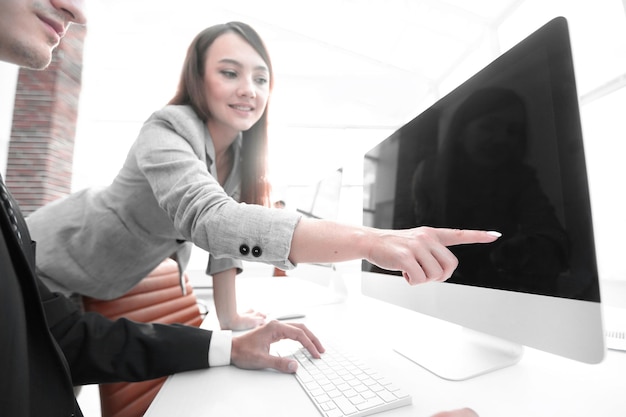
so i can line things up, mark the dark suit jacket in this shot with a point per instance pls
(47, 346)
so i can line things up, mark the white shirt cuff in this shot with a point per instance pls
(219, 350)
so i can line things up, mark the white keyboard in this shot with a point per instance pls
(341, 385)
(615, 327)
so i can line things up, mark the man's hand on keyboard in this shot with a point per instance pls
(251, 350)
(463, 412)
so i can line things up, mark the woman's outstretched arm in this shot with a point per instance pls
(421, 253)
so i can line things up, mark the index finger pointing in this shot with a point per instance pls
(451, 237)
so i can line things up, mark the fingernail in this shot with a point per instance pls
(494, 233)
(293, 366)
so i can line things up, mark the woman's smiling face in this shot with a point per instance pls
(236, 85)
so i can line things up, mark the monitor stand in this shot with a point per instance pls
(460, 353)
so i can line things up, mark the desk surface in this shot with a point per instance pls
(540, 384)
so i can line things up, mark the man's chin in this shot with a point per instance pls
(37, 62)
(34, 58)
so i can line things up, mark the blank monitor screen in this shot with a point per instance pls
(502, 152)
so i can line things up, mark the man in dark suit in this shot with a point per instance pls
(46, 345)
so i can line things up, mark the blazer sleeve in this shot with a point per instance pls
(167, 150)
(99, 350)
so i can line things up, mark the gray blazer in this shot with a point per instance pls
(101, 242)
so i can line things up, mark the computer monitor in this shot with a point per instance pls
(504, 152)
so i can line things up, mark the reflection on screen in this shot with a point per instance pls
(494, 155)
(480, 179)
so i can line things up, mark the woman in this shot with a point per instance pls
(196, 173)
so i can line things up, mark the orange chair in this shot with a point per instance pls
(157, 298)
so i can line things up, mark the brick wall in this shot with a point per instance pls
(41, 147)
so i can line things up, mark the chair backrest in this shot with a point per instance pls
(157, 298)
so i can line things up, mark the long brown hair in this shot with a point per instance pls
(255, 188)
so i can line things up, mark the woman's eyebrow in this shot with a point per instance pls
(230, 61)
(239, 64)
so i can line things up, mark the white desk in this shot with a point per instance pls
(539, 385)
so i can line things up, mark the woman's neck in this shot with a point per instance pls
(222, 141)
(222, 137)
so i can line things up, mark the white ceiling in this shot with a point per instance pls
(347, 72)
(328, 55)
